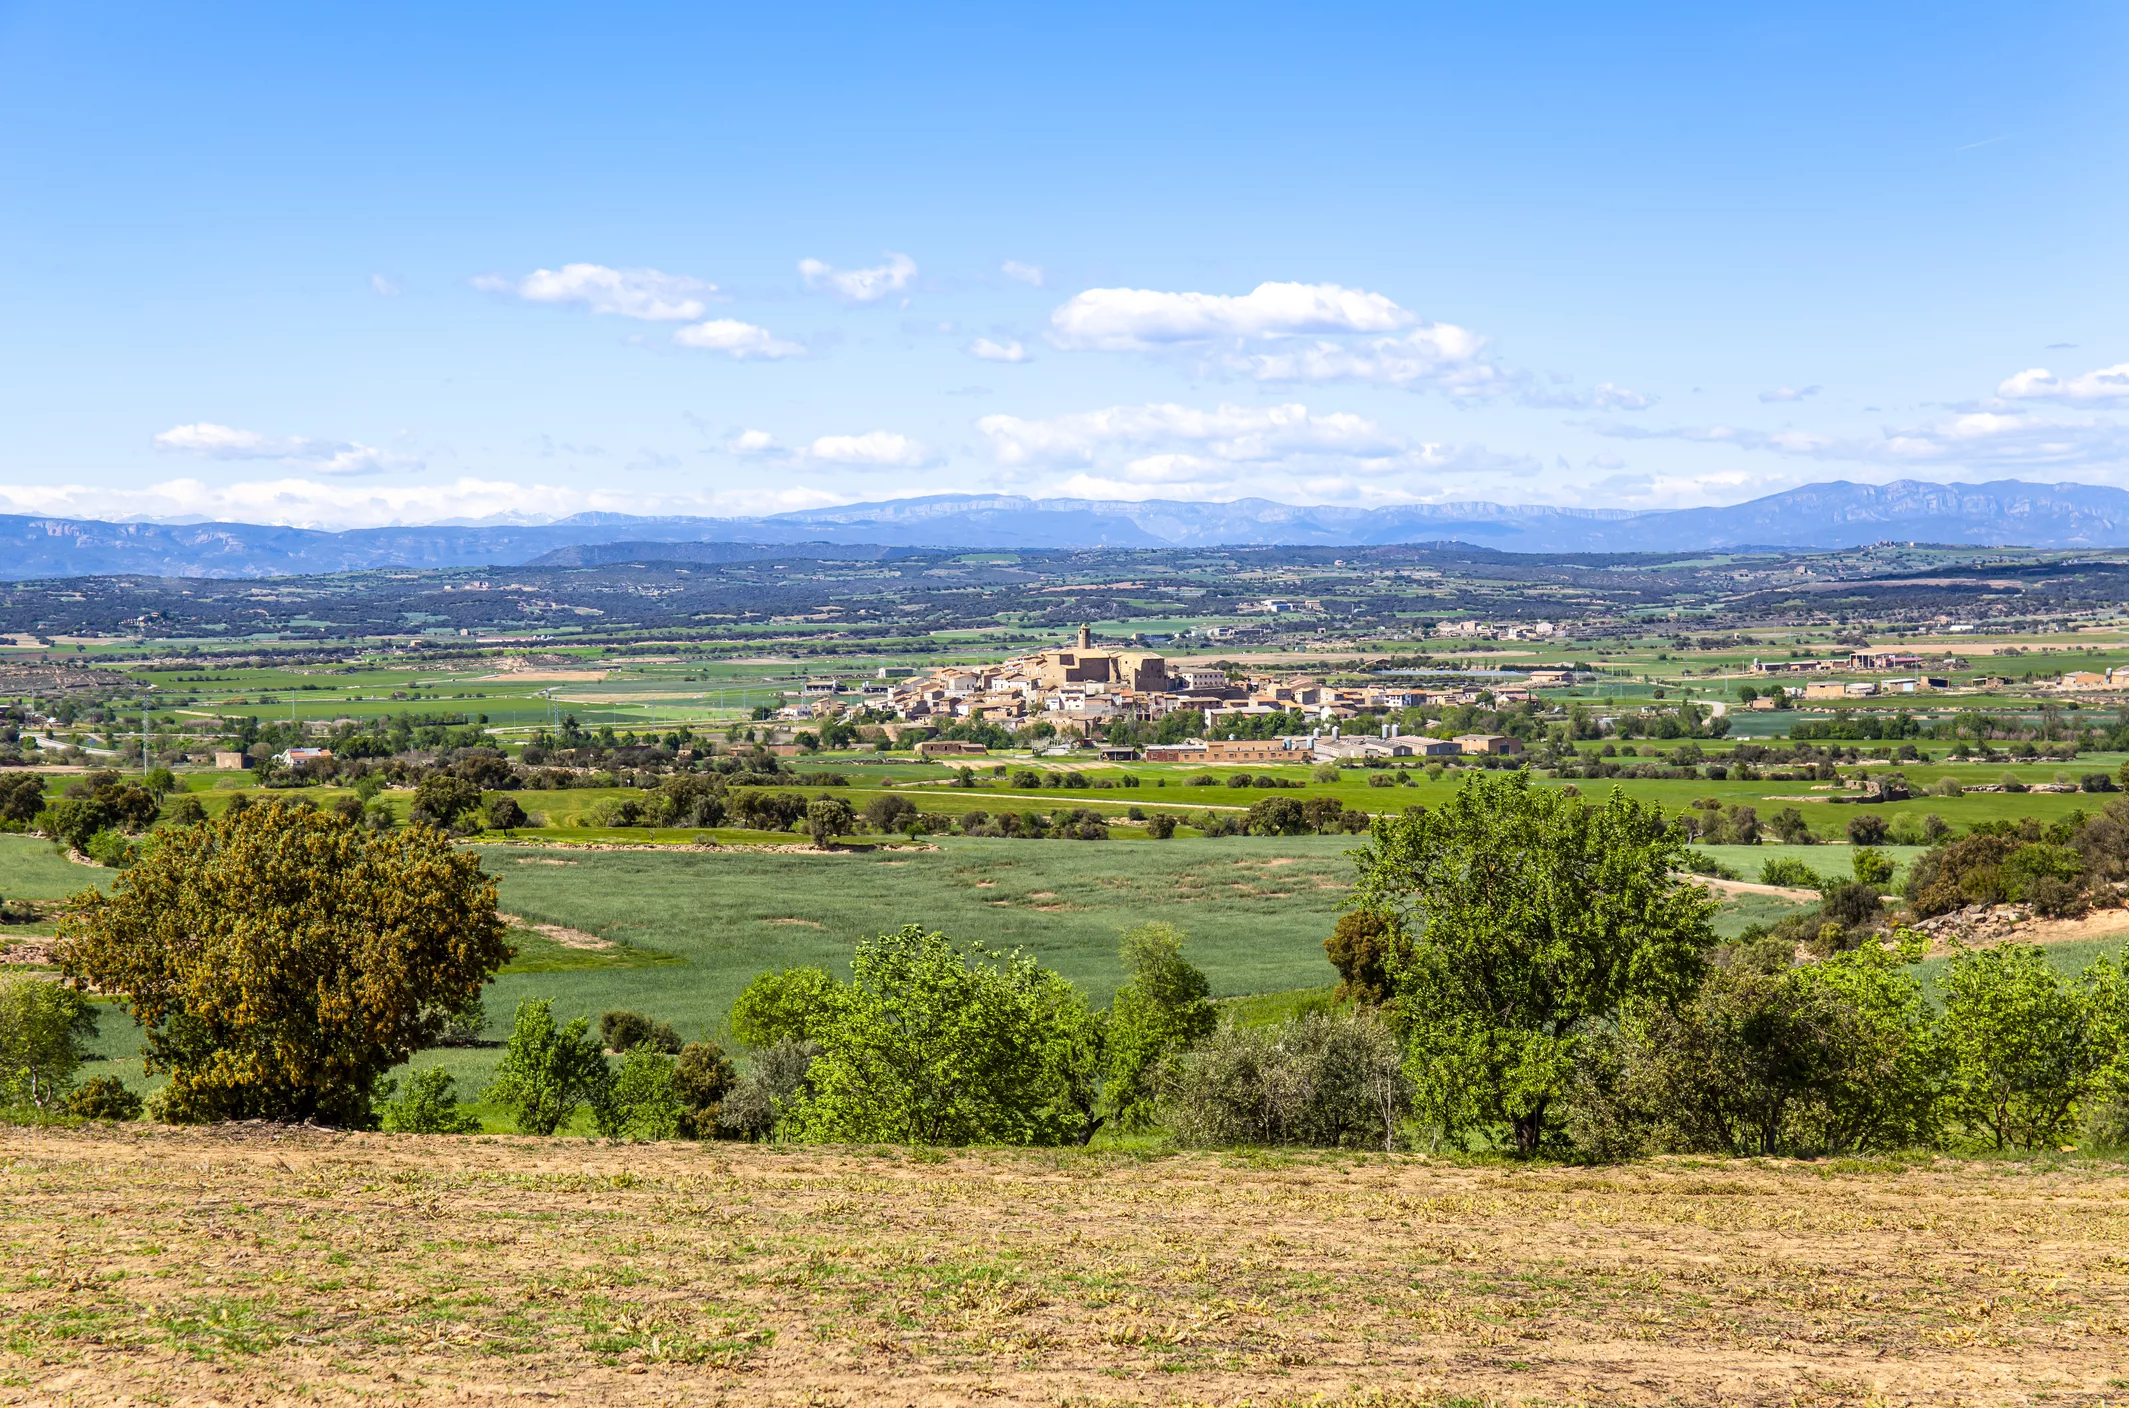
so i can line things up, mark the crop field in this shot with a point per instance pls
(253, 1265)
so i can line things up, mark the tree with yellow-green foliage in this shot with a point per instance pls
(281, 960)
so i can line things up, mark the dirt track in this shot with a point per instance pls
(253, 1266)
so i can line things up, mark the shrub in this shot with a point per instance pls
(280, 962)
(624, 1031)
(504, 814)
(1240, 779)
(762, 1101)
(1328, 1079)
(1324, 772)
(1364, 946)
(702, 1078)
(186, 811)
(1790, 872)
(2010, 782)
(640, 1102)
(104, 1098)
(547, 1072)
(429, 1106)
(1948, 787)
(1820, 1058)
(1871, 867)
(1163, 1007)
(1383, 779)
(108, 848)
(1160, 826)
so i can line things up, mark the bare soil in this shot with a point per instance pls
(255, 1264)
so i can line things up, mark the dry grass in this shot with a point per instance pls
(255, 1265)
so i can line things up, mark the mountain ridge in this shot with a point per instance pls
(1826, 516)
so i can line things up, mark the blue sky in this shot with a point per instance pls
(345, 265)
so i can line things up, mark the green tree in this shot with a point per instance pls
(1277, 816)
(828, 818)
(442, 798)
(547, 1072)
(280, 962)
(21, 796)
(1163, 1008)
(159, 783)
(795, 1004)
(43, 1030)
(644, 1104)
(1533, 917)
(2025, 1044)
(429, 1105)
(931, 1043)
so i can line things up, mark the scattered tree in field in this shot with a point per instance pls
(828, 818)
(547, 1072)
(442, 798)
(280, 961)
(21, 796)
(187, 811)
(1277, 816)
(1163, 1007)
(43, 1030)
(1868, 829)
(429, 1105)
(504, 814)
(1533, 918)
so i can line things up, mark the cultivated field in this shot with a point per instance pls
(254, 1265)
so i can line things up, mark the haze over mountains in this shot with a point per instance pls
(1818, 516)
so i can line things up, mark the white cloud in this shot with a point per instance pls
(1981, 440)
(1030, 274)
(1138, 320)
(2106, 386)
(383, 287)
(860, 285)
(225, 442)
(1228, 433)
(1788, 393)
(875, 447)
(648, 294)
(752, 442)
(309, 503)
(1007, 351)
(740, 340)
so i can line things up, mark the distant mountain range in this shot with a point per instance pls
(2008, 513)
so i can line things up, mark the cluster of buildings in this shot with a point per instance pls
(1080, 688)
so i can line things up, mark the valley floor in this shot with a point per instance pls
(257, 1265)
